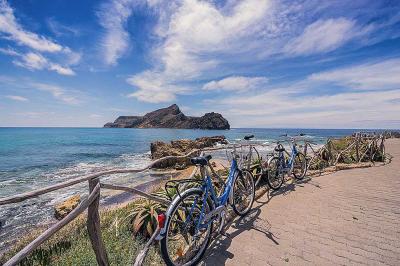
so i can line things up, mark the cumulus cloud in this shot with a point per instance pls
(113, 16)
(322, 36)
(193, 29)
(17, 98)
(196, 37)
(380, 75)
(154, 88)
(236, 83)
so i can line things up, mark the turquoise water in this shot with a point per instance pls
(36, 157)
(39, 149)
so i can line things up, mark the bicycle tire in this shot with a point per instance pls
(164, 241)
(250, 180)
(303, 166)
(270, 182)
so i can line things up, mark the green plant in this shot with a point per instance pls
(144, 217)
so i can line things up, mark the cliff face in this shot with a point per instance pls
(171, 117)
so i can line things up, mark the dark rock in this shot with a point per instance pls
(125, 121)
(181, 147)
(171, 117)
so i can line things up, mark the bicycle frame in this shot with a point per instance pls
(288, 167)
(220, 202)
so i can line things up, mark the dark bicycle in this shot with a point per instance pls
(283, 163)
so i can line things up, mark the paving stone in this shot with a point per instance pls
(350, 217)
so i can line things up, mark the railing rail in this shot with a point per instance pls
(55, 228)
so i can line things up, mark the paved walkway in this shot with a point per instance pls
(350, 217)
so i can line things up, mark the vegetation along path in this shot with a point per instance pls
(350, 217)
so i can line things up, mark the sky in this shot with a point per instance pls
(260, 63)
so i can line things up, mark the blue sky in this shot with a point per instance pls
(260, 63)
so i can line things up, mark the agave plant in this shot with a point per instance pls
(142, 220)
(144, 217)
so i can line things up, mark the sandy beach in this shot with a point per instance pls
(348, 217)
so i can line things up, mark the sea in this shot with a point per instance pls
(32, 158)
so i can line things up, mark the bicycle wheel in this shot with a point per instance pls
(243, 193)
(274, 177)
(299, 166)
(184, 243)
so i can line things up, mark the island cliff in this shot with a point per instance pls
(171, 117)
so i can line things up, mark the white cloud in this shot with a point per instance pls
(57, 92)
(194, 29)
(32, 61)
(9, 51)
(66, 71)
(278, 108)
(62, 30)
(113, 17)
(153, 88)
(11, 29)
(36, 61)
(374, 94)
(369, 76)
(195, 39)
(237, 83)
(322, 36)
(17, 98)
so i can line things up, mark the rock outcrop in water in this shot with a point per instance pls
(62, 209)
(160, 149)
(171, 117)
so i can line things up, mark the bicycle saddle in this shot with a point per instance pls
(248, 137)
(201, 160)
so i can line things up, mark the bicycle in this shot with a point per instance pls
(188, 222)
(256, 166)
(278, 165)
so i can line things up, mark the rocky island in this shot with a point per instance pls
(171, 117)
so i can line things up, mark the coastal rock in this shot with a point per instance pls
(181, 147)
(171, 117)
(61, 210)
(125, 122)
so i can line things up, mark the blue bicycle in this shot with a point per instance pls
(295, 163)
(190, 218)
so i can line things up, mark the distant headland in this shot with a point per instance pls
(171, 117)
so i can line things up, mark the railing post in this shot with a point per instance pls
(358, 138)
(93, 226)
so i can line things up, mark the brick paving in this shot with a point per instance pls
(350, 217)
